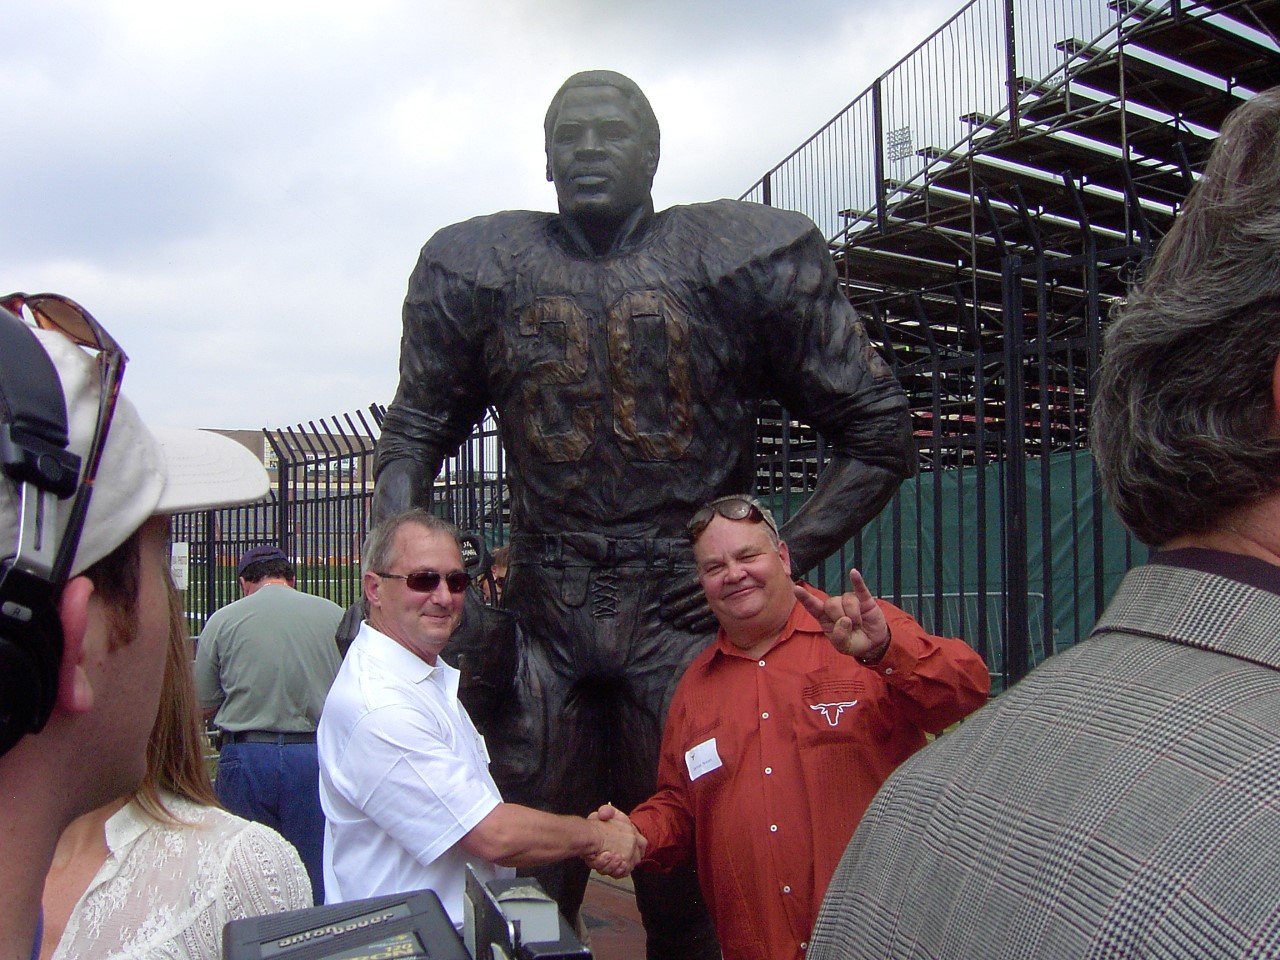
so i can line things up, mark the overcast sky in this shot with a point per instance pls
(239, 190)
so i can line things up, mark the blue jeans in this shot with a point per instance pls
(278, 784)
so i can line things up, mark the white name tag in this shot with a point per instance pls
(702, 759)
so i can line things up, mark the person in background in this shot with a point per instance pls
(80, 686)
(161, 872)
(263, 667)
(782, 730)
(497, 575)
(1120, 801)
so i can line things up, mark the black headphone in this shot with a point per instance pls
(34, 457)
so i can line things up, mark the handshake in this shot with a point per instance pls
(620, 846)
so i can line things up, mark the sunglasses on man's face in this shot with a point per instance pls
(426, 581)
(731, 508)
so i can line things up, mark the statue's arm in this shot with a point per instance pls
(839, 383)
(441, 394)
(848, 495)
(404, 483)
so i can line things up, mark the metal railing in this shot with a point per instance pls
(318, 509)
(944, 534)
(958, 85)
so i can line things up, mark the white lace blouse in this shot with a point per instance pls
(165, 891)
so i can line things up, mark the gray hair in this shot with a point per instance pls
(380, 543)
(1184, 425)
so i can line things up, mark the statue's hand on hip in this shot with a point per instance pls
(684, 605)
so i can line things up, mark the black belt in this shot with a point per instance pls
(267, 736)
(574, 549)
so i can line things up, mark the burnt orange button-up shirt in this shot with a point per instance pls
(768, 764)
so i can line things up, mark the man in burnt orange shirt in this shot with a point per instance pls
(782, 730)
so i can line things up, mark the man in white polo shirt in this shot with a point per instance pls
(404, 775)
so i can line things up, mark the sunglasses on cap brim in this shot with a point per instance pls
(59, 314)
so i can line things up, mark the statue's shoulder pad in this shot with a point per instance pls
(732, 234)
(469, 240)
(741, 221)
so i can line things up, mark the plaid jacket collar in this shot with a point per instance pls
(1198, 609)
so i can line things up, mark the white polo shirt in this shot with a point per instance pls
(404, 775)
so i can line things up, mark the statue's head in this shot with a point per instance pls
(602, 146)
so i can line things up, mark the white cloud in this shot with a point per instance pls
(239, 191)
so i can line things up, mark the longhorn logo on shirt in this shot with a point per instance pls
(832, 711)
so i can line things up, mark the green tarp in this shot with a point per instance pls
(932, 562)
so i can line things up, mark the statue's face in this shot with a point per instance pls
(600, 164)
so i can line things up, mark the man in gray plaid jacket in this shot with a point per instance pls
(1124, 799)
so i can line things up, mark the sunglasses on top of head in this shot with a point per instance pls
(426, 581)
(733, 507)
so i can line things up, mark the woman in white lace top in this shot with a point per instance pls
(158, 875)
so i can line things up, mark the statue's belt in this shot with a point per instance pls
(589, 549)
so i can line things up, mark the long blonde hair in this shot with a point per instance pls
(175, 750)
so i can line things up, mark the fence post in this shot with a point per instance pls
(877, 136)
(210, 562)
(284, 470)
(1016, 578)
(1011, 69)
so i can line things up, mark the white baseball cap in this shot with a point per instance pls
(143, 472)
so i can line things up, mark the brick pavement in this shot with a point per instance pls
(612, 920)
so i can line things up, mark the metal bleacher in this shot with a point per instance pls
(987, 201)
(1023, 161)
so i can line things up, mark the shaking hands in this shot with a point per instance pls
(621, 845)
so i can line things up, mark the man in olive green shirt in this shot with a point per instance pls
(264, 665)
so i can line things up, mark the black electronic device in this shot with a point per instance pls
(35, 458)
(405, 926)
(516, 920)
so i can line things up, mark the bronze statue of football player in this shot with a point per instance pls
(627, 353)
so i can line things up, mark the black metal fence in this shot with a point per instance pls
(1015, 553)
(318, 508)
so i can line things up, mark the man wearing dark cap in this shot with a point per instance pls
(263, 668)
